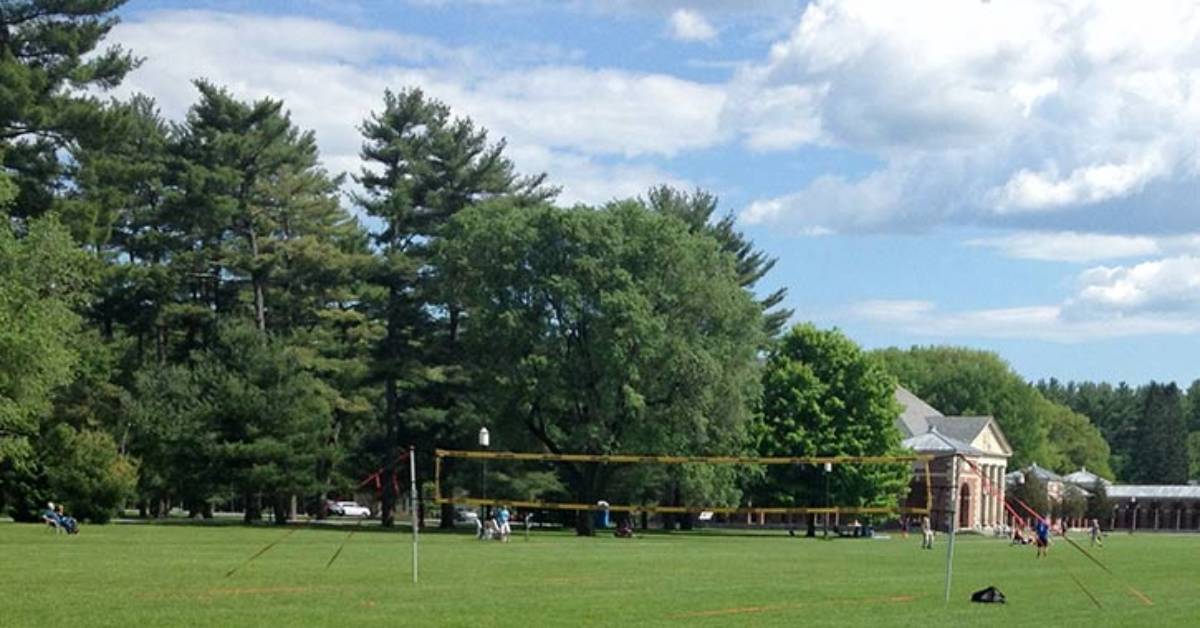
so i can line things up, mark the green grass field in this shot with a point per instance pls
(175, 575)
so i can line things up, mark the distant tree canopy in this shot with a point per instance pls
(1030, 491)
(1161, 455)
(1148, 428)
(959, 381)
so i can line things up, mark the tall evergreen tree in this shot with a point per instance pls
(423, 166)
(1193, 406)
(697, 209)
(239, 162)
(1161, 454)
(49, 61)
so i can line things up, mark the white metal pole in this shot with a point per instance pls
(412, 477)
(953, 509)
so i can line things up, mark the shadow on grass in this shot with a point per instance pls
(327, 525)
(372, 526)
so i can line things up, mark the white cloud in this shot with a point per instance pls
(1047, 323)
(1021, 112)
(578, 124)
(1074, 246)
(1168, 285)
(1070, 246)
(688, 25)
(587, 181)
(1035, 191)
(1154, 297)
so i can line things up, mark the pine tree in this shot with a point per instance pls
(49, 59)
(423, 167)
(697, 210)
(1161, 454)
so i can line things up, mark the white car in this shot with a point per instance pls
(466, 516)
(349, 509)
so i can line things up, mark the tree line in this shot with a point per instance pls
(196, 313)
(1153, 429)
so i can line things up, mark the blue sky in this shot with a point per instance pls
(1014, 175)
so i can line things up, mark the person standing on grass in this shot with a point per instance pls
(926, 533)
(1042, 529)
(502, 523)
(1094, 532)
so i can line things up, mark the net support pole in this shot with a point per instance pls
(953, 510)
(413, 505)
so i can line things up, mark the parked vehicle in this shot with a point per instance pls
(349, 509)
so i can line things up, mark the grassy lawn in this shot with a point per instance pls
(174, 575)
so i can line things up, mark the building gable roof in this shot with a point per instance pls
(918, 417)
(934, 442)
(964, 428)
(913, 421)
(1083, 477)
(1042, 473)
(974, 430)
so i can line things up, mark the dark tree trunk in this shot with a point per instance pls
(583, 523)
(587, 495)
(253, 508)
(812, 525)
(447, 514)
(279, 510)
(260, 309)
(391, 417)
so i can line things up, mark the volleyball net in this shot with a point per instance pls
(921, 507)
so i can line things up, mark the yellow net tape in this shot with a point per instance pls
(439, 454)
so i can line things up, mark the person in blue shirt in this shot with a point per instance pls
(502, 523)
(1042, 529)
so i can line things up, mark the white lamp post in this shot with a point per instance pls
(484, 442)
(825, 518)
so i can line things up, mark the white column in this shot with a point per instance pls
(997, 484)
(988, 498)
(1000, 512)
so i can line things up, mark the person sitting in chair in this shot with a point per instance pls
(50, 518)
(624, 530)
(69, 524)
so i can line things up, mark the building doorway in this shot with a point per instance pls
(964, 506)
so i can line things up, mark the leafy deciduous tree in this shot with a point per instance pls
(823, 396)
(604, 330)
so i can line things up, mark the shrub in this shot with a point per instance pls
(87, 473)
